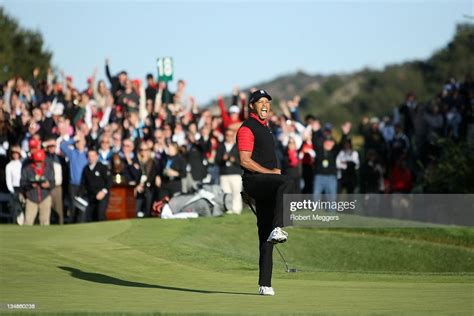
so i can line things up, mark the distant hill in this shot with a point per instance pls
(369, 92)
(285, 86)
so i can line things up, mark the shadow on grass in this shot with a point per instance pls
(105, 279)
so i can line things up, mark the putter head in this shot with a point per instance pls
(292, 270)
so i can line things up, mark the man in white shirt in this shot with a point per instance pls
(13, 170)
(13, 176)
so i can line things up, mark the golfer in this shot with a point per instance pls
(262, 180)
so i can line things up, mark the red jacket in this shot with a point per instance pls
(226, 120)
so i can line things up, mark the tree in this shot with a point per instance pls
(452, 171)
(21, 50)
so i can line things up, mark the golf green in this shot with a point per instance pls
(210, 266)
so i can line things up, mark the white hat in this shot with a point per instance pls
(234, 109)
(58, 109)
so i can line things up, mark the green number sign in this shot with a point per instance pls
(165, 68)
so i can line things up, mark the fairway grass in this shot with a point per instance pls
(210, 266)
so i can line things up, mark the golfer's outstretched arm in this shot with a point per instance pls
(248, 163)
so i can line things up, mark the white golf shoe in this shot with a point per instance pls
(278, 235)
(266, 290)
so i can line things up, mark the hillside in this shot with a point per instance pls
(288, 85)
(280, 88)
(369, 92)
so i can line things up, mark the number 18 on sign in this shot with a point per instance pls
(165, 68)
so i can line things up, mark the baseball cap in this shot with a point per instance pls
(234, 109)
(257, 95)
(39, 156)
(328, 126)
(34, 144)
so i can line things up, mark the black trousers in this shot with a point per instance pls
(308, 177)
(267, 190)
(96, 210)
(144, 202)
(74, 214)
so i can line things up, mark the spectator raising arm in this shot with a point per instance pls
(225, 115)
(294, 107)
(142, 105)
(244, 113)
(107, 72)
(114, 80)
(7, 95)
(158, 97)
(66, 149)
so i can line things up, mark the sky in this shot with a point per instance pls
(218, 44)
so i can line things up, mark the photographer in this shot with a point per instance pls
(37, 179)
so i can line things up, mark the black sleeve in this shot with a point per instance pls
(107, 177)
(235, 153)
(179, 165)
(82, 187)
(107, 72)
(160, 164)
(130, 172)
(316, 138)
(235, 99)
(206, 145)
(38, 93)
(220, 155)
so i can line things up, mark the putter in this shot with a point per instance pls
(288, 270)
(249, 201)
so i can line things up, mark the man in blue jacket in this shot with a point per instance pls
(76, 154)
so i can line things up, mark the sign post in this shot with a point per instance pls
(165, 69)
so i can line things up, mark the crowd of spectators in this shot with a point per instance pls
(57, 143)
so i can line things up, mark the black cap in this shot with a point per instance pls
(257, 95)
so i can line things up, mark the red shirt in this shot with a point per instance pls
(293, 158)
(402, 179)
(226, 119)
(245, 138)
